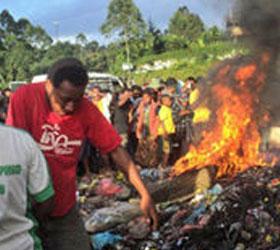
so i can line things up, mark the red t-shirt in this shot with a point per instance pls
(60, 137)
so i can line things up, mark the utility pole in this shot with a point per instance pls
(127, 49)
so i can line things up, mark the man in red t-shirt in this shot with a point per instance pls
(59, 118)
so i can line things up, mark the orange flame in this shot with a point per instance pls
(233, 143)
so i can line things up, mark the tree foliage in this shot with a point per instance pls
(185, 24)
(123, 18)
(21, 45)
(27, 50)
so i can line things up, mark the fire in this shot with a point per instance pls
(232, 143)
(245, 73)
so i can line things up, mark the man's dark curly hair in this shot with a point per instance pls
(70, 69)
(171, 82)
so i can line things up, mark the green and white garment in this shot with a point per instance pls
(23, 174)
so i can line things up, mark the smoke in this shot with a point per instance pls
(260, 21)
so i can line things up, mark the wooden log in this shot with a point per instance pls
(182, 185)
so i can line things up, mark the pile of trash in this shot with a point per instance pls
(236, 213)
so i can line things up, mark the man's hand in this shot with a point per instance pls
(126, 165)
(184, 112)
(148, 208)
(139, 135)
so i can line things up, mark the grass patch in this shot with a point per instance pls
(195, 60)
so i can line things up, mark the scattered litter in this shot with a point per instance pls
(101, 240)
(236, 213)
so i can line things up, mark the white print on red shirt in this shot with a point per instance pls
(52, 140)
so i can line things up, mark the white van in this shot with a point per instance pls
(39, 78)
(104, 80)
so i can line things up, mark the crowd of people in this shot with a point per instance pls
(38, 169)
(155, 123)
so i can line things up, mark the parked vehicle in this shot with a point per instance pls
(39, 78)
(106, 81)
(103, 80)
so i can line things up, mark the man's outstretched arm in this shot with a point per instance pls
(127, 166)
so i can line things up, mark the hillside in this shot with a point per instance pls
(195, 60)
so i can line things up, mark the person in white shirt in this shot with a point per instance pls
(25, 185)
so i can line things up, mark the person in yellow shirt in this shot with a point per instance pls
(101, 100)
(166, 127)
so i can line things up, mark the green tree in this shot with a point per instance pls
(7, 22)
(16, 54)
(18, 59)
(95, 57)
(22, 45)
(81, 42)
(158, 43)
(124, 20)
(115, 56)
(99, 61)
(81, 39)
(92, 46)
(185, 24)
(213, 34)
(173, 42)
(37, 37)
(34, 35)
(56, 51)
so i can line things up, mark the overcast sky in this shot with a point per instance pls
(67, 18)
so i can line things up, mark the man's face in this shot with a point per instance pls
(96, 94)
(126, 94)
(171, 90)
(7, 93)
(136, 93)
(129, 93)
(190, 84)
(146, 98)
(67, 97)
(167, 101)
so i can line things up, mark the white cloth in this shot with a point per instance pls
(106, 101)
(23, 172)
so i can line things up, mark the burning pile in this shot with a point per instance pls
(237, 94)
(232, 139)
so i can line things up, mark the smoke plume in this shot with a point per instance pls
(260, 21)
